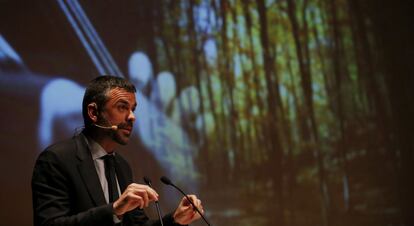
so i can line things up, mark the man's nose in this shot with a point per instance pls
(131, 116)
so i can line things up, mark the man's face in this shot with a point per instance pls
(119, 111)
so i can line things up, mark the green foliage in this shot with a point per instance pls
(291, 96)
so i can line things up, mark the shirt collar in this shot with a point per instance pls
(97, 150)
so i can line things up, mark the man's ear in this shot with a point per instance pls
(93, 112)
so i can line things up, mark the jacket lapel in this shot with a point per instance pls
(87, 171)
(120, 174)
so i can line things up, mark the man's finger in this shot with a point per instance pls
(135, 200)
(152, 195)
(144, 195)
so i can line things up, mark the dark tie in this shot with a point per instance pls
(110, 175)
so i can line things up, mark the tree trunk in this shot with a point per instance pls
(306, 85)
(275, 148)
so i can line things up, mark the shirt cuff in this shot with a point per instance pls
(116, 219)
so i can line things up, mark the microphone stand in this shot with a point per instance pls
(157, 205)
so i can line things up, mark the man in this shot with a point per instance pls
(82, 181)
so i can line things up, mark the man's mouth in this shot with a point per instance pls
(125, 126)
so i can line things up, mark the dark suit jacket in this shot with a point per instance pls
(66, 189)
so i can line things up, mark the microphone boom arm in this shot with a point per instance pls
(167, 181)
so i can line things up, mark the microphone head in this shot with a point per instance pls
(165, 180)
(147, 180)
(114, 128)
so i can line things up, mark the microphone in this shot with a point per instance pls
(157, 205)
(114, 127)
(167, 181)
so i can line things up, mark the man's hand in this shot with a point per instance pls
(135, 195)
(185, 213)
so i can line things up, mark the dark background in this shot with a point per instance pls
(316, 129)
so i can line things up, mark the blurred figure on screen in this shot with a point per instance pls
(83, 181)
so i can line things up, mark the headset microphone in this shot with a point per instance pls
(107, 127)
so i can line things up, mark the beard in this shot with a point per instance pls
(120, 139)
(119, 135)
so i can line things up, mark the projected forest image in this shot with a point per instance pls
(275, 112)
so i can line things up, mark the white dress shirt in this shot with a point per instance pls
(98, 152)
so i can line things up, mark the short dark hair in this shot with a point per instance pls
(97, 91)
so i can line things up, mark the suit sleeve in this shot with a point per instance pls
(52, 197)
(138, 217)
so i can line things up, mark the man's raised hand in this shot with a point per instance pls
(135, 195)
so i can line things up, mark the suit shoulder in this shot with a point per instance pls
(62, 147)
(61, 150)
